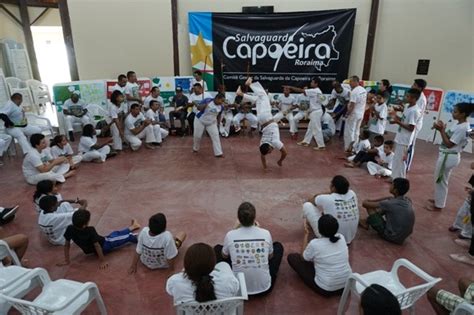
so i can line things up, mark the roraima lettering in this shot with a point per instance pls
(304, 49)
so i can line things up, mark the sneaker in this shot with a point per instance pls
(7, 213)
(454, 229)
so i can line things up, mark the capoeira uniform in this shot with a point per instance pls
(340, 107)
(448, 159)
(148, 133)
(463, 218)
(315, 113)
(328, 126)
(35, 159)
(124, 106)
(75, 109)
(160, 133)
(246, 113)
(384, 169)
(207, 120)
(5, 141)
(228, 116)
(353, 122)
(286, 103)
(303, 107)
(21, 130)
(66, 151)
(421, 103)
(113, 113)
(88, 153)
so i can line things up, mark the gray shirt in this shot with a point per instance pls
(399, 217)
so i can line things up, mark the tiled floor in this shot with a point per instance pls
(200, 194)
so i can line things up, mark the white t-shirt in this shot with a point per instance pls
(249, 249)
(459, 135)
(197, 99)
(194, 81)
(32, 160)
(59, 197)
(155, 251)
(377, 125)
(286, 102)
(132, 89)
(303, 102)
(75, 108)
(362, 145)
(54, 224)
(331, 262)
(359, 98)
(181, 288)
(344, 208)
(14, 113)
(124, 106)
(113, 112)
(86, 144)
(132, 123)
(410, 116)
(421, 103)
(271, 135)
(65, 151)
(149, 98)
(387, 159)
(153, 116)
(327, 122)
(315, 98)
(341, 98)
(209, 115)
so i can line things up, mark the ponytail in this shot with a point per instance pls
(334, 238)
(56, 140)
(204, 289)
(328, 227)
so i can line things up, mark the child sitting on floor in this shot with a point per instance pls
(366, 156)
(382, 167)
(362, 145)
(91, 150)
(60, 147)
(90, 242)
(53, 221)
(156, 246)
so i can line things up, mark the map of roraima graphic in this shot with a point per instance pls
(334, 52)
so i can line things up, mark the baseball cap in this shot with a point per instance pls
(179, 89)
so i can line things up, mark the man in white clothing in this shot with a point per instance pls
(355, 112)
(420, 85)
(5, 141)
(16, 124)
(286, 105)
(154, 115)
(194, 100)
(197, 78)
(74, 110)
(138, 127)
(302, 104)
(132, 89)
(153, 96)
(120, 86)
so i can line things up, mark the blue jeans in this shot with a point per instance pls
(117, 239)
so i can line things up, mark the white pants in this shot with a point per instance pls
(76, 159)
(314, 129)
(411, 149)
(376, 169)
(5, 141)
(252, 119)
(461, 222)
(224, 128)
(70, 120)
(327, 134)
(21, 134)
(99, 154)
(312, 214)
(398, 165)
(160, 133)
(351, 130)
(56, 174)
(441, 187)
(199, 128)
(294, 122)
(148, 133)
(116, 139)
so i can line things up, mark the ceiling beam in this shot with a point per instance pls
(10, 14)
(34, 3)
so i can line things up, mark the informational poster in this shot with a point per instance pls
(434, 97)
(276, 49)
(398, 93)
(168, 86)
(144, 89)
(91, 92)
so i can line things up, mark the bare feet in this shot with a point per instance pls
(249, 81)
(302, 143)
(149, 146)
(463, 243)
(319, 148)
(134, 225)
(70, 173)
(349, 164)
(463, 258)
(433, 209)
(239, 91)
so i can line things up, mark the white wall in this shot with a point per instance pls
(114, 36)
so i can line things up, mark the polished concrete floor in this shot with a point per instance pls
(200, 195)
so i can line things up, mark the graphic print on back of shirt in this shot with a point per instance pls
(251, 253)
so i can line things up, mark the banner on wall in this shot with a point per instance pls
(168, 86)
(91, 92)
(275, 49)
(143, 90)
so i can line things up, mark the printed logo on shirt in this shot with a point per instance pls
(346, 210)
(251, 254)
(153, 256)
(138, 123)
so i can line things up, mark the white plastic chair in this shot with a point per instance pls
(16, 85)
(42, 122)
(56, 297)
(464, 309)
(39, 92)
(228, 306)
(407, 297)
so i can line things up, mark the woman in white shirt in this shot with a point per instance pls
(202, 280)
(324, 265)
(90, 150)
(60, 147)
(454, 138)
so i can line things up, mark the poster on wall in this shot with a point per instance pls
(143, 90)
(168, 86)
(91, 92)
(275, 49)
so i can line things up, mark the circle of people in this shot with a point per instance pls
(332, 217)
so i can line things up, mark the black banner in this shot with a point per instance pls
(282, 48)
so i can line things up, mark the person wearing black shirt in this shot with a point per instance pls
(87, 238)
(180, 103)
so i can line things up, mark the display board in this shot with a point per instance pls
(168, 86)
(91, 92)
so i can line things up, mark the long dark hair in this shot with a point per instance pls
(43, 187)
(88, 131)
(199, 262)
(57, 140)
(113, 97)
(328, 226)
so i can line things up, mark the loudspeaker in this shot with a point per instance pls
(258, 10)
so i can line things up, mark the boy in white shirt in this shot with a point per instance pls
(286, 103)
(154, 115)
(74, 110)
(251, 250)
(382, 167)
(368, 156)
(156, 247)
(302, 104)
(60, 147)
(52, 222)
(227, 115)
(341, 203)
(16, 124)
(420, 85)
(90, 150)
(38, 167)
(316, 112)
(132, 89)
(407, 124)
(138, 127)
(379, 114)
(355, 113)
(5, 141)
(363, 145)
